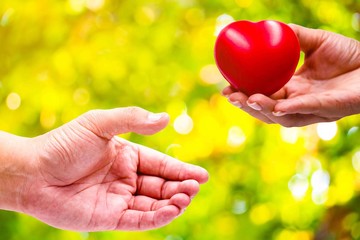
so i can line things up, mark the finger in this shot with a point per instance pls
(240, 100)
(107, 123)
(180, 200)
(139, 220)
(265, 106)
(152, 162)
(309, 39)
(159, 188)
(281, 94)
(262, 103)
(305, 104)
(227, 91)
(144, 203)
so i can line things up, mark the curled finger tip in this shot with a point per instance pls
(190, 187)
(166, 214)
(155, 123)
(205, 177)
(202, 175)
(236, 103)
(190, 183)
(166, 118)
(225, 93)
(254, 105)
(180, 200)
(158, 117)
(281, 108)
(258, 97)
(227, 90)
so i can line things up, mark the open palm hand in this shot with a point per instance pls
(88, 179)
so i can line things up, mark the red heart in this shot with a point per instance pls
(257, 57)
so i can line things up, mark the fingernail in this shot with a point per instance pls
(236, 103)
(279, 114)
(154, 117)
(254, 106)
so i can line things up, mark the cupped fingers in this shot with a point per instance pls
(228, 90)
(180, 200)
(147, 213)
(262, 103)
(241, 101)
(135, 220)
(159, 188)
(144, 203)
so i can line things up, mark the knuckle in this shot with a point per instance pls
(132, 110)
(90, 120)
(91, 115)
(132, 116)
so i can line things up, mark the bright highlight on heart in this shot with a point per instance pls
(257, 57)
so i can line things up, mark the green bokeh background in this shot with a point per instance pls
(60, 58)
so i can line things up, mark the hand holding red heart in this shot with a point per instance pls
(325, 88)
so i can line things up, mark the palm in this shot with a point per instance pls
(101, 181)
(331, 76)
(92, 183)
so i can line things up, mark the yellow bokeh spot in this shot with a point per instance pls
(146, 15)
(210, 74)
(183, 124)
(261, 214)
(327, 131)
(94, 5)
(289, 135)
(221, 22)
(236, 136)
(13, 101)
(76, 5)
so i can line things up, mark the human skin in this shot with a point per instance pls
(83, 177)
(325, 88)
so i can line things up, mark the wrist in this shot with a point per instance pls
(16, 170)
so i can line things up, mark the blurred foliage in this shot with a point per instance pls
(62, 58)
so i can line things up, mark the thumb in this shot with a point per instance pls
(305, 104)
(108, 123)
(309, 39)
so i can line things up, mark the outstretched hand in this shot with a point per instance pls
(85, 178)
(326, 88)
